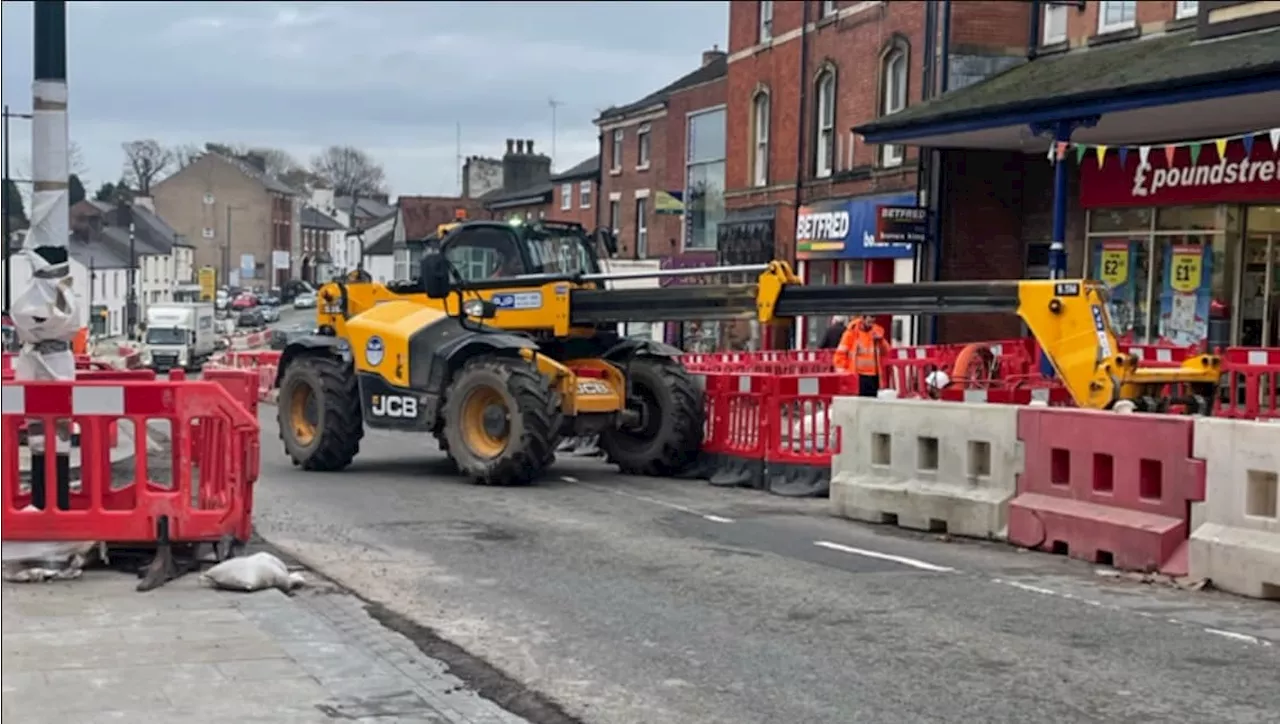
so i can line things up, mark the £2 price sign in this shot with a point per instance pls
(1186, 270)
(1114, 263)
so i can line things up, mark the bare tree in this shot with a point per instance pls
(186, 154)
(75, 159)
(278, 163)
(144, 162)
(349, 171)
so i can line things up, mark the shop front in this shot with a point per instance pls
(837, 243)
(1187, 236)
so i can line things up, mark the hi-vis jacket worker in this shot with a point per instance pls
(861, 349)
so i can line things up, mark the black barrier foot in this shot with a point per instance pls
(226, 548)
(164, 567)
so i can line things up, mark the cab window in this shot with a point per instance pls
(480, 254)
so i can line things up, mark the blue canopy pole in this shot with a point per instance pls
(1058, 244)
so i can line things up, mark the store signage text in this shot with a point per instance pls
(849, 228)
(1156, 182)
(823, 226)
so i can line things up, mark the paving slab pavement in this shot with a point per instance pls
(94, 650)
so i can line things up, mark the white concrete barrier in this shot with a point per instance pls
(944, 467)
(1235, 534)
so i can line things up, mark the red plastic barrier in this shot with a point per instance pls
(1053, 396)
(1107, 488)
(802, 439)
(740, 428)
(1251, 389)
(209, 496)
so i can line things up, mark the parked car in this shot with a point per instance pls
(251, 317)
(270, 300)
(306, 300)
(270, 313)
(244, 301)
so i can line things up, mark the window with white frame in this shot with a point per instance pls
(642, 229)
(615, 216)
(766, 21)
(566, 197)
(584, 195)
(829, 8)
(1186, 9)
(1116, 15)
(893, 87)
(825, 146)
(642, 147)
(616, 161)
(760, 157)
(1055, 24)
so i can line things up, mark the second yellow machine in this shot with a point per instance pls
(507, 341)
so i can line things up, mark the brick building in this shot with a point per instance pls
(663, 195)
(526, 189)
(800, 76)
(576, 194)
(1146, 156)
(418, 217)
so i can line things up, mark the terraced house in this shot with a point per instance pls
(1139, 144)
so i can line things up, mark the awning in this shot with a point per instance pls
(668, 203)
(1146, 91)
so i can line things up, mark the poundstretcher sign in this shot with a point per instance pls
(1211, 180)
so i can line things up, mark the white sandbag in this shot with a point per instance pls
(887, 394)
(257, 572)
(38, 561)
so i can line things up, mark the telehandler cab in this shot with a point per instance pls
(507, 342)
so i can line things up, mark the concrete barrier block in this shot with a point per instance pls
(1235, 541)
(926, 466)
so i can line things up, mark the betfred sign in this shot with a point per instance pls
(1211, 180)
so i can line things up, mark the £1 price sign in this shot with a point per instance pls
(1186, 269)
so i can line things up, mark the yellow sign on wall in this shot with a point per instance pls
(1186, 269)
(208, 283)
(1114, 267)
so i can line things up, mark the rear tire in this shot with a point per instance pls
(670, 434)
(501, 421)
(323, 387)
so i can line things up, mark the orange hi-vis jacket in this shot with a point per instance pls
(861, 349)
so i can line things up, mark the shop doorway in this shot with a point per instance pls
(1259, 300)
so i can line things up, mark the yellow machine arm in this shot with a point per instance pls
(1068, 318)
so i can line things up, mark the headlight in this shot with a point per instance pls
(473, 307)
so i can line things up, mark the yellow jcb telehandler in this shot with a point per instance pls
(507, 341)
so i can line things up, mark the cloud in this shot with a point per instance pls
(395, 78)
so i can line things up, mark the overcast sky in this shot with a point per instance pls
(393, 78)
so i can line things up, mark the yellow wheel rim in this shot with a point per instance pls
(304, 431)
(485, 426)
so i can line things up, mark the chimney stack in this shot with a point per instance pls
(529, 146)
(711, 56)
(511, 145)
(519, 146)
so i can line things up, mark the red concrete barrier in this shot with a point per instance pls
(1107, 488)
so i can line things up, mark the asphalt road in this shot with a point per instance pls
(648, 601)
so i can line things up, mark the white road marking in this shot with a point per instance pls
(651, 501)
(922, 565)
(1233, 635)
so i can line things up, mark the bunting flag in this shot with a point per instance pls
(1195, 149)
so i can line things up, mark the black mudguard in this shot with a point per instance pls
(310, 344)
(633, 347)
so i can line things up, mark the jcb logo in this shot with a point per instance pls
(591, 387)
(393, 406)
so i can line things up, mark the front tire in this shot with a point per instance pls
(669, 435)
(501, 421)
(318, 413)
